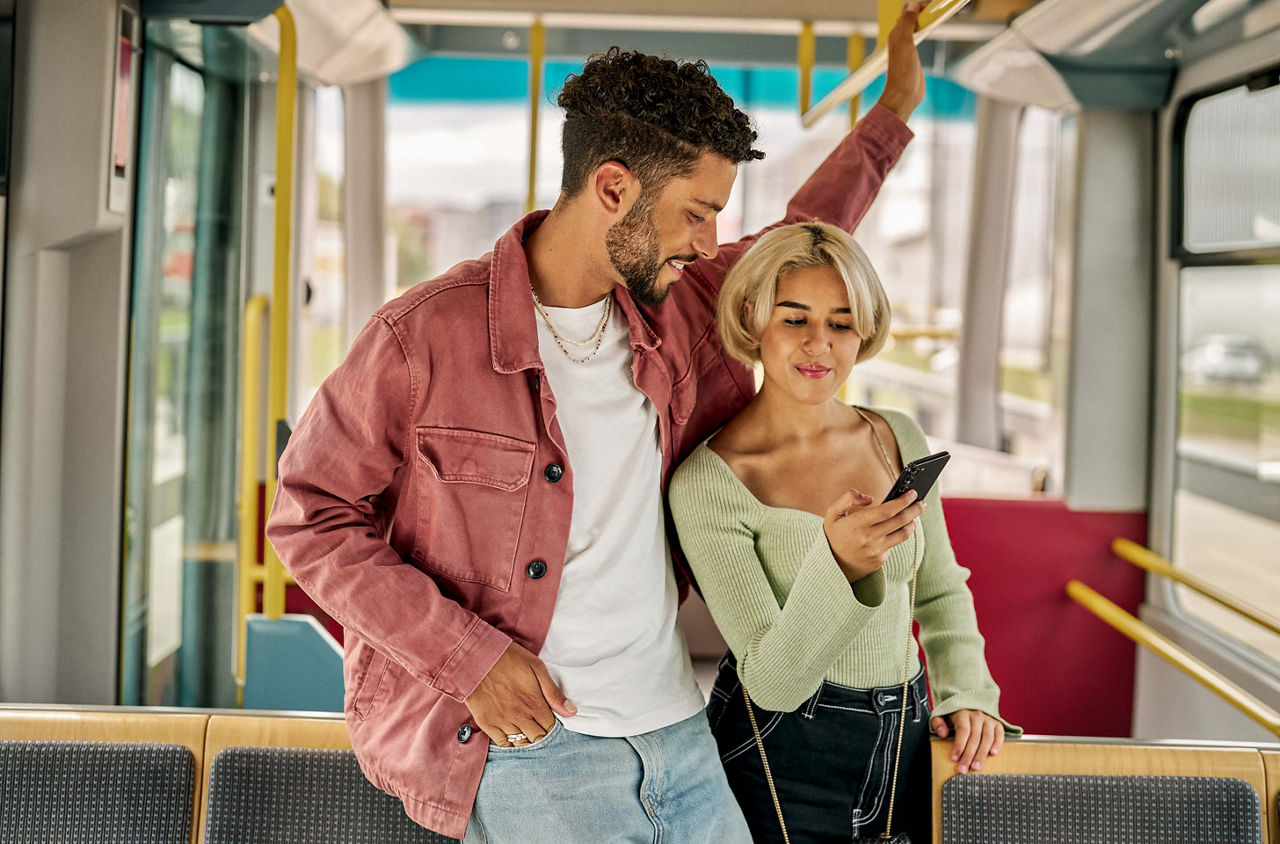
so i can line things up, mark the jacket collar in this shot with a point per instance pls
(513, 330)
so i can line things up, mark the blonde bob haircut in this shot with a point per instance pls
(754, 281)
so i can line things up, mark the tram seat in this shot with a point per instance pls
(1123, 792)
(102, 777)
(281, 780)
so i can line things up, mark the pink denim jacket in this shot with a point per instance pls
(424, 500)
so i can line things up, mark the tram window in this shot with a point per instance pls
(1226, 514)
(321, 343)
(1033, 330)
(457, 159)
(1226, 507)
(457, 176)
(1232, 183)
(916, 234)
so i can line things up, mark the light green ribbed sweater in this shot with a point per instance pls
(790, 616)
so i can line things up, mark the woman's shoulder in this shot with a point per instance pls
(701, 468)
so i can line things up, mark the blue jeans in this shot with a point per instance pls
(832, 761)
(663, 786)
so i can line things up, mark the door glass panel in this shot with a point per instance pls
(179, 561)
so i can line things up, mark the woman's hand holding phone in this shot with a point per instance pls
(861, 533)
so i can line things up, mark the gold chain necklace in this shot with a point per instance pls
(595, 340)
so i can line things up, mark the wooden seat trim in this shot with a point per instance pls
(1271, 767)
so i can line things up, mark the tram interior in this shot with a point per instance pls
(1081, 243)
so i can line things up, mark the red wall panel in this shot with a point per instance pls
(1061, 670)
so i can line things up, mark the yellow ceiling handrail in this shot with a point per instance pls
(806, 56)
(933, 16)
(1149, 560)
(1183, 661)
(855, 55)
(278, 376)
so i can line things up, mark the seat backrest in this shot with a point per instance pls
(127, 792)
(1126, 809)
(291, 795)
(71, 775)
(279, 780)
(1129, 793)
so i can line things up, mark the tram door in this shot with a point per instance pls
(187, 297)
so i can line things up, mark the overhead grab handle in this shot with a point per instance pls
(934, 15)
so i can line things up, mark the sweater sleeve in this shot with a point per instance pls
(784, 646)
(958, 673)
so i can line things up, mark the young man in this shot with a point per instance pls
(476, 492)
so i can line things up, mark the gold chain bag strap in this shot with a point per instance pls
(887, 835)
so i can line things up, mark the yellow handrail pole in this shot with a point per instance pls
(1185, 662)
(806, 55)
(934, 15)
(278, 380)
(537, 52)
(855, 54)
(887, 14)
(255, 312)
(1147, 559)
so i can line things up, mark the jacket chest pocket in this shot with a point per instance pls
(472, 490)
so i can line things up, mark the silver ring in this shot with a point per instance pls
(517, 737)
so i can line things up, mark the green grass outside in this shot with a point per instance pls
(1224, 414)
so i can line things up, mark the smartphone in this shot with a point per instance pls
(919, 475)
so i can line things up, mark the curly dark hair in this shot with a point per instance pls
(656, 115)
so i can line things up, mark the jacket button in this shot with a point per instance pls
(553, 473)
(536, 569)
(464, 733)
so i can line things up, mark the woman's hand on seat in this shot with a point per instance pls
(861, 534)
(978, 735)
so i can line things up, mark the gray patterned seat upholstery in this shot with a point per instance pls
(1078, 809)
(283, 795)
(88, 792)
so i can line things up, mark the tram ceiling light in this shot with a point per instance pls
(1072, 28)
(1009, 71)
(343, 43)
(1104, 53)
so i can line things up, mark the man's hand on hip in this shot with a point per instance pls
(517, 701)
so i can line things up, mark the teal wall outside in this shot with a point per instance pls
(442, 79)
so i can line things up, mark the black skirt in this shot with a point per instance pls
(832, 761)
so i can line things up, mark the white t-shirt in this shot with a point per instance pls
(614, 646)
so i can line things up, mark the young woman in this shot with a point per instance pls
(812, 580)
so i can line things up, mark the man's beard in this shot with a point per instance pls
(632, 243)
